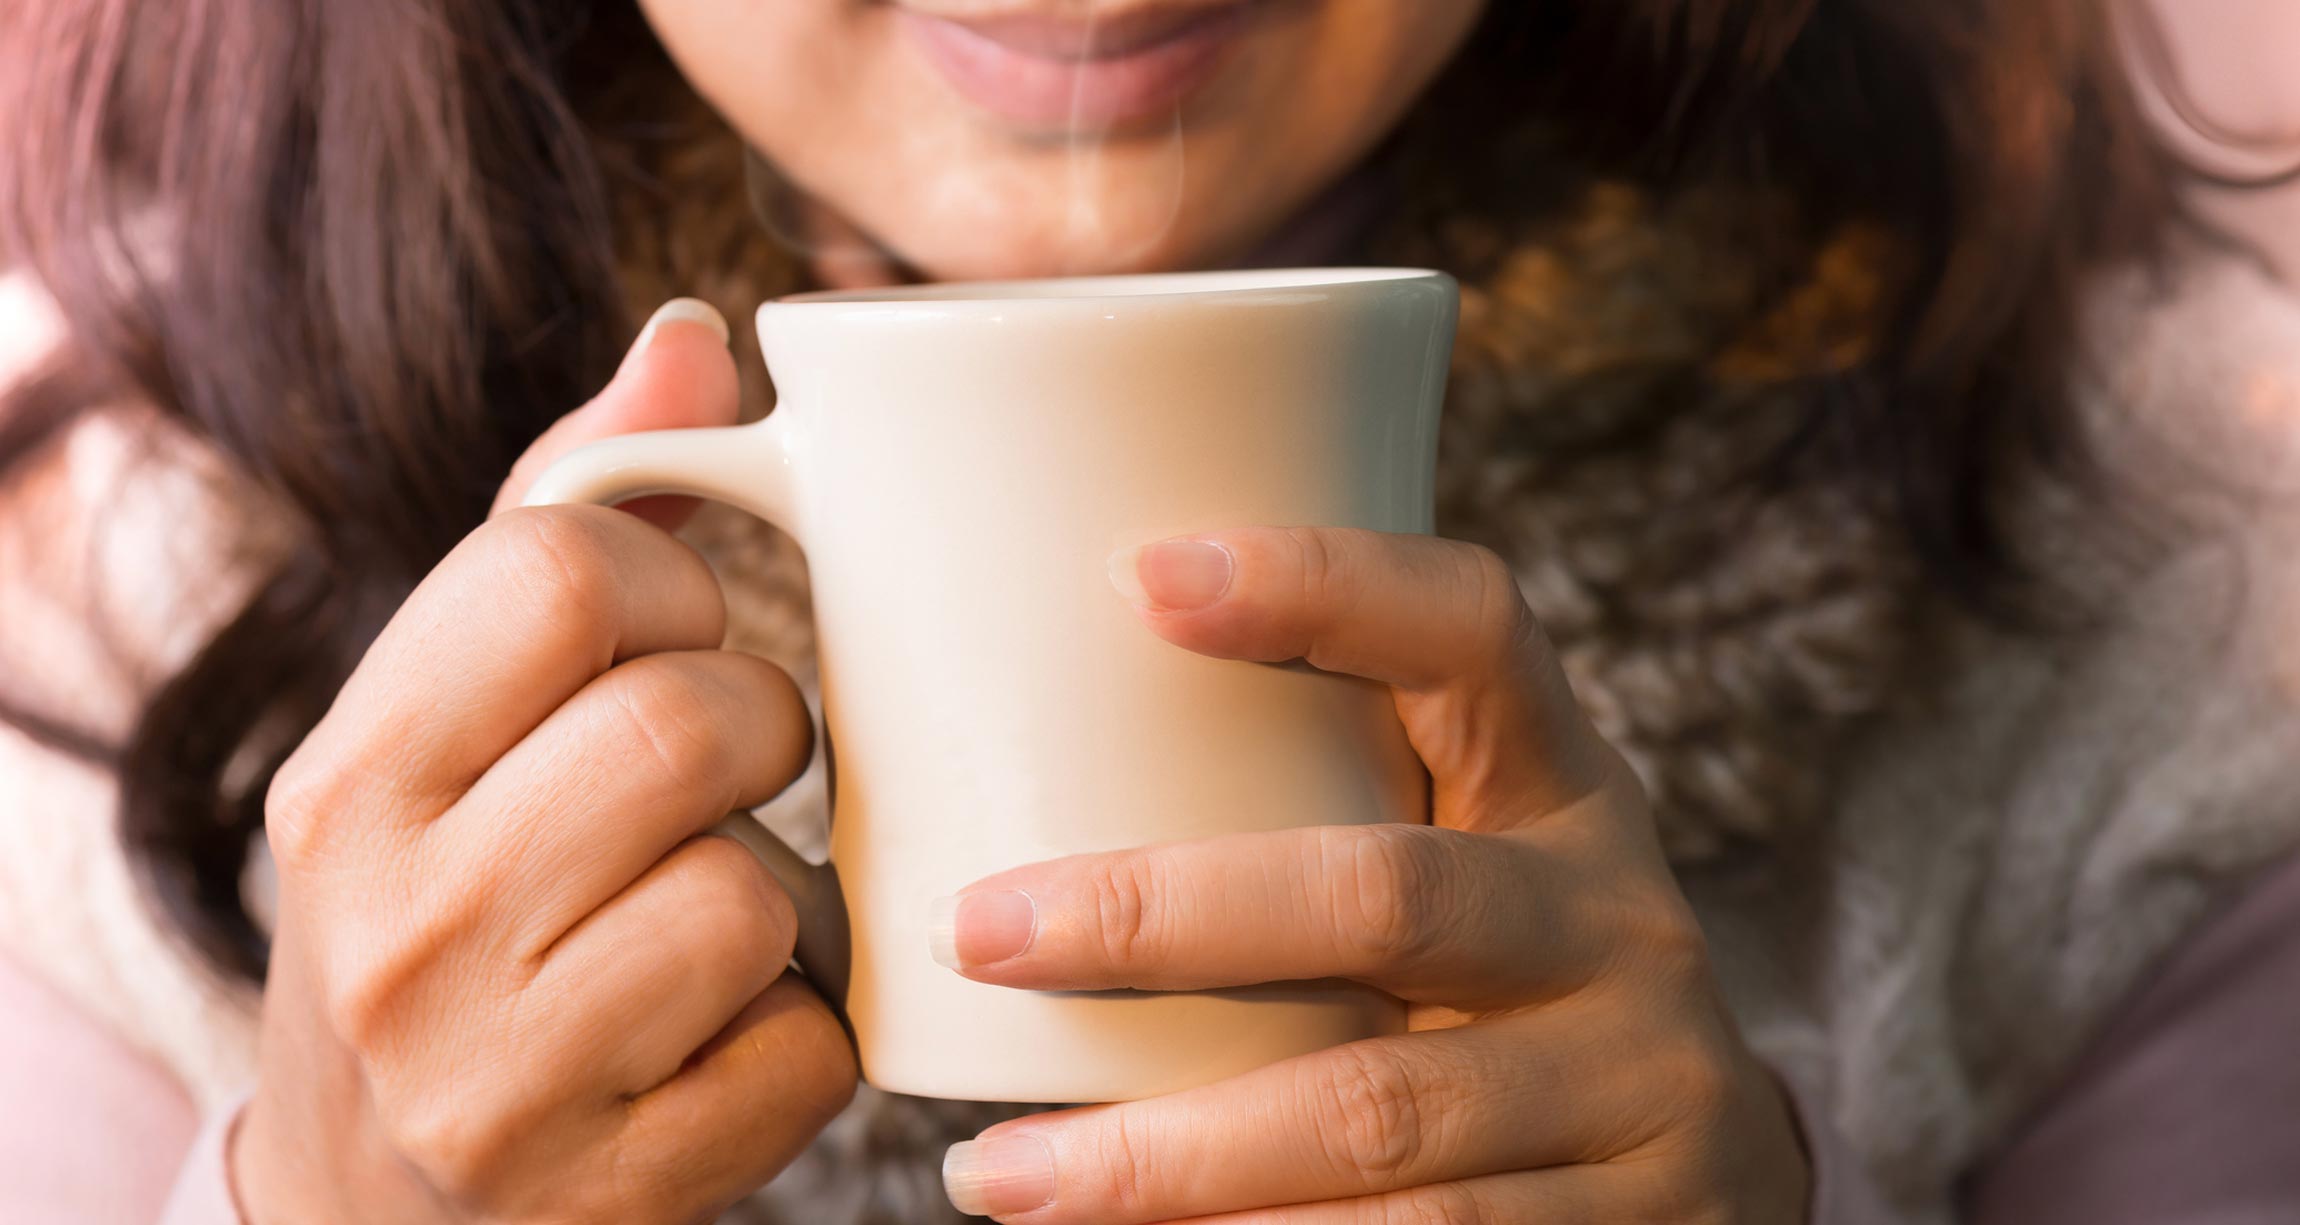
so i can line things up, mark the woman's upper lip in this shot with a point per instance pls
(1094, 34)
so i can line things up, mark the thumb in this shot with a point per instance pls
(677, 375)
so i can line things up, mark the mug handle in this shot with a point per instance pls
(748, 467)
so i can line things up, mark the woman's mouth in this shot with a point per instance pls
(1095, 71)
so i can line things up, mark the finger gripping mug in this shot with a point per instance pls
(958, 463)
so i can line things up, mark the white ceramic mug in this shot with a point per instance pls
(958, 463)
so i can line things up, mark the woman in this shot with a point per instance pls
(1862, 759)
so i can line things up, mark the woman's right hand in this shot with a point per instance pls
(514, 979)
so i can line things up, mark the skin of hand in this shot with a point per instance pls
(514, 978)
(1568, 1056)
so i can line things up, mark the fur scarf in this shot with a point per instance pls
(1620, 388)
(1876, 803)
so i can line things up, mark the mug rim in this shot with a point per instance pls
(1123, 287)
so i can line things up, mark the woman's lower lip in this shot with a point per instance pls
(1064, 92)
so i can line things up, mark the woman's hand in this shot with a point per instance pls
(1568, 1058)
(514, 978)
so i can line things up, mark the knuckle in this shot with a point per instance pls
(1501, 607)
(1697, 1079)
(568, 548)
(1667, 941)
(1385, 877)
(1373, 1100)
(727, 900)
(361, 1006)
(1317, 565)
(454, 1145)
(782, 706)
(357, 1013)
(1682, 948)
(774, 688)
(1126, 920)
(1126, 1165)
(372, 998)
(382, 975)
(664, 710)
(302, 796)
(571, 569)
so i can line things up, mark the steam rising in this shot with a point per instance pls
(1086, 165)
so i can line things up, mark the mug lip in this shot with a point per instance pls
(1114, 289)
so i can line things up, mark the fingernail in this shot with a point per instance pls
(682, 310)
(977, 929)
(1173, 575)
(1000, 1175)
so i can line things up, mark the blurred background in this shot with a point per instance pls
(2226, 93)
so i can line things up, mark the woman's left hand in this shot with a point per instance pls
(1568, 1058)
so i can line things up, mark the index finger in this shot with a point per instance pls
(1434, 916)
(521, 615)
(1439, 621)
(529, 608)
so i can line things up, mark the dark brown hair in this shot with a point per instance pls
(396, 261)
